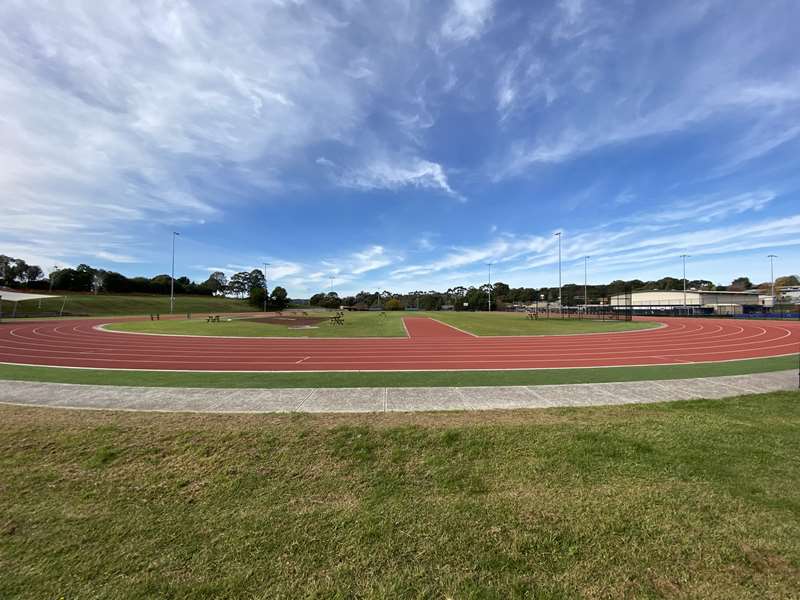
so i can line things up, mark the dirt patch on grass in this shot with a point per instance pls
(290, 321)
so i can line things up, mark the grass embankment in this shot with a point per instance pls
(680, 500)
(371, 324)
(392, 379)
(127, 304)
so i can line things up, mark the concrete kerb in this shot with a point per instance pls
(379, 399)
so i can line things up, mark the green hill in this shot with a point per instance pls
(126, 304)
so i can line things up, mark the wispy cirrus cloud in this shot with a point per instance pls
(643, 93)
(391, 174)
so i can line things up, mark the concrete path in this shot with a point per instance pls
(360, 400)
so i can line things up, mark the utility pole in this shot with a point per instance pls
(585, 281)
(558, 235)
(266, 264)
(490, 286)
(55, 268)
(685, 308)
(172, 279)
(772, 275)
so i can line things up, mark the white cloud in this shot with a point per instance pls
(466, 19)
(643, 92)
(392, 174)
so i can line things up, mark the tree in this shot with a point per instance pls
(279, 299)
(392, 304)
(216, 283)
(331, 300)
(781, 282)
(32, 273)
(257, 279)
(740, 284)
(257, 297)
(500, 290)
(239, 284)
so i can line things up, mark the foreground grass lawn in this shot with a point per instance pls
(389, 324)
(355, 325)
(129, 304)
(393, 379)
(683, 500)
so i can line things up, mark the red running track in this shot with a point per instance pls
(431, 346)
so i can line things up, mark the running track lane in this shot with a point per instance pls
(431, 346)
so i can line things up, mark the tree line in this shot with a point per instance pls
(16, 273)
(502, 295)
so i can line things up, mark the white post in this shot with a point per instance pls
(559, 269)
(685, 307)
(55, 268)
(585, 282)
(172, 279)
(265, 285)
(772, 275)
(490, 286)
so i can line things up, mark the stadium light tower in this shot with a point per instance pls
(558, 235)
(685, 307)
(490, 285)
(266, 264)
(585, 281)
(55, 268)
(772, 257)
(172, 279)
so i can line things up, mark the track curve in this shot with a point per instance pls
(431, 346)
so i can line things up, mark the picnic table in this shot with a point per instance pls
(212, 319)
(338, 318)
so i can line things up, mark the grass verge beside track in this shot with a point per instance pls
(392, 378)
(696, 499)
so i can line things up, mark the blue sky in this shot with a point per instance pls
(402, 145)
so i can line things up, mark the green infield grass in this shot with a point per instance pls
(355, 325)
(697, 499)
(392, 378)
(389, 324)
(127, 304)
(514, 323)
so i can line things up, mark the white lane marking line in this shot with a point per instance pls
(453, 327)
(302, 360)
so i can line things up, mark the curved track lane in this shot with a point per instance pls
(431, 346)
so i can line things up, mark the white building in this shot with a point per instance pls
(706, 301)
(790, 293)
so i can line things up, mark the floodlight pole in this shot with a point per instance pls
(172, 279)
(490, 286)
(585, 281)
(55, 268)
(266, 264)
(558, 235)
(685, 307)
(771, 257)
